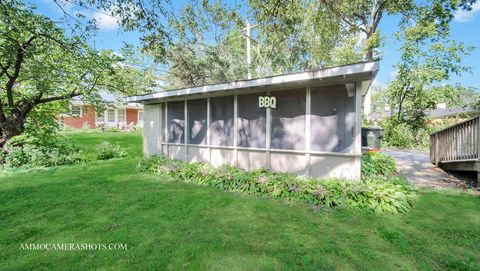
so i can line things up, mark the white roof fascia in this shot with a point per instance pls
(357, 68)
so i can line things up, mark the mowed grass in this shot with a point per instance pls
(174, 225)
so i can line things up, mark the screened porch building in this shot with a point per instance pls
(306, 123)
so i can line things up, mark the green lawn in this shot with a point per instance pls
(173, 225)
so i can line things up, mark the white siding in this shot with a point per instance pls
(151, 129)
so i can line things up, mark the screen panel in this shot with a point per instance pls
(252, 121)
(332, 119)
(197, 121)
(288, 120)
(176, 122)
(221, 126)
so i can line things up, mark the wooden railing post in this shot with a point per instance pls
(457, 142)
(477, 121)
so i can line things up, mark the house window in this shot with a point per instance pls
(111, 115)
(76, 111)
(221, 127)
(288, 120)
(121, 115)
(197, 121)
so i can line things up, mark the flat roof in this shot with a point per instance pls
(348, 73)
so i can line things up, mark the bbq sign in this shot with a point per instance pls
(267, 102)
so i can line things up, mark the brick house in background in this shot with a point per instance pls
(119, 116)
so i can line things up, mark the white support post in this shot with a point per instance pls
(160, 122)
(268, 135)
(358, 130)
(166, 130)
(105, 118)
(235, 128)
(478, 140)
(308, 110)
(116, 117)
(185, 129)
(209, 149)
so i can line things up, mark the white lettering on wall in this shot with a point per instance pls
(267, 102)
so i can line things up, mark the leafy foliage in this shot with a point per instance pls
(398, 134)
(199, 42)
(44, 64)
(107, 151)
(29, 151)
(29, 155)
(376, 163)
(428, 58)
(375, 194)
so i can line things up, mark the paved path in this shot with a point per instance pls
(416, 167)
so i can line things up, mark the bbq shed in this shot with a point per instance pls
(305, 123)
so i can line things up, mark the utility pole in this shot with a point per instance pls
(249, 57)
(248, 30)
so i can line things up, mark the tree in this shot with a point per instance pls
(299, 35)
(291, 35)
(428, 58)
(365, 16)
(134, 74)
(462, 97)
(205, 46)
(200, 42)
(41, 66)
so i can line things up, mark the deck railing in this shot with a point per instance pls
(459, 142)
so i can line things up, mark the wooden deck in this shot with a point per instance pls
(457, 147)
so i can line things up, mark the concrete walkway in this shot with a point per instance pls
(416, 167)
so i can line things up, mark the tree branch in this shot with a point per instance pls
(16, 72)
(378, 14)
(72, 94)
(330, 6)
(57, 98)
(5, 69)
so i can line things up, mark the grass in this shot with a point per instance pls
(176, 225)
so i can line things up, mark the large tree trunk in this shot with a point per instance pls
(14, 124)
(10, 130)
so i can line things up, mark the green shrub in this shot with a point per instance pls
(376, 163)
(86, 126)
(398, 135)
(111, 130)
(24, 154)
(107, 151)
(29, 155)
(68, 129)
(377, 194)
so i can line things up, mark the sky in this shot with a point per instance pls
(464, 28)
